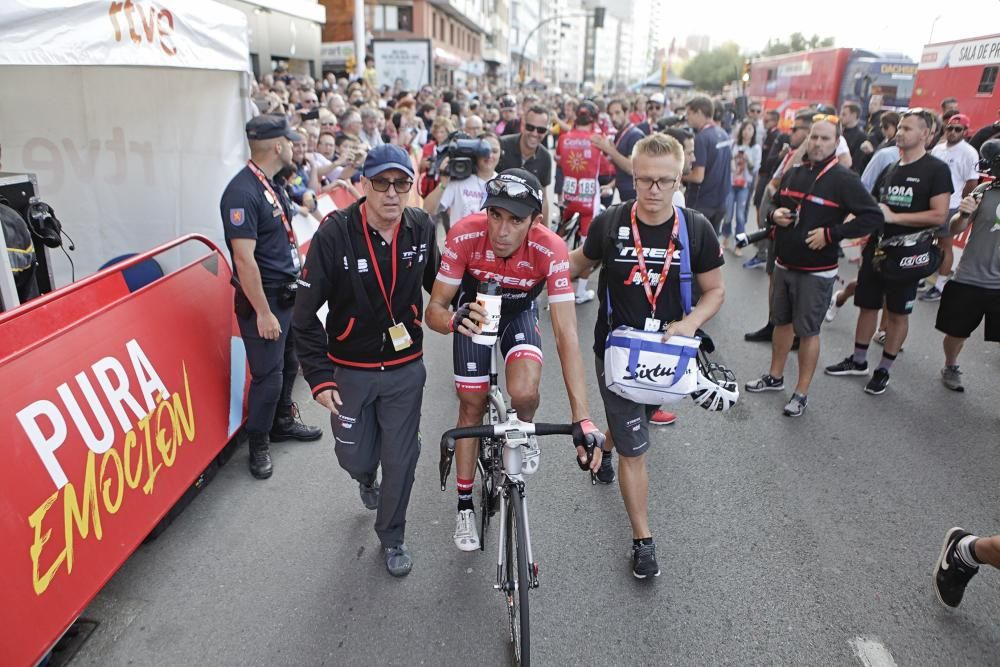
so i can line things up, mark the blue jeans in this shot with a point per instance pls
(736, 203)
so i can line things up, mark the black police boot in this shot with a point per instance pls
(260, 456)
(288, 426)
(762, 335)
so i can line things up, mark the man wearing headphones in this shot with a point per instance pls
(256, 218)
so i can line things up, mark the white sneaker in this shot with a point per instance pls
(587, 295)
(466, 535)
(530, 456)
(832, 311)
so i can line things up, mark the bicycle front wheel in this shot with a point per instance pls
(517, 579)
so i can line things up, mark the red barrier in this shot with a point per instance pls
(105, 424)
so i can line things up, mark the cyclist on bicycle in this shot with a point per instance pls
(580, 162)
(510, 244)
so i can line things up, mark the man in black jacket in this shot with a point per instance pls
(367, 263)
(810, 206)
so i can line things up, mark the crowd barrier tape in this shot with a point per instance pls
(107, 417)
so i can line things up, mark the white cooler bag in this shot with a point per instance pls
(639, 366)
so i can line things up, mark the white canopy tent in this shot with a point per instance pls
(131, 114)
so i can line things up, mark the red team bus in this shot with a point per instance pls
(831, 76)
(965, 69)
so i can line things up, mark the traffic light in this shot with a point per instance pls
(746, 71)
(598, 17)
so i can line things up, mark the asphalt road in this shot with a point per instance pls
(781, 541)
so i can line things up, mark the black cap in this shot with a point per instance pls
(515, 190)
(270, 126)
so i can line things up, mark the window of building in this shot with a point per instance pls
(451, 33)
(989, 80)
(392, 18)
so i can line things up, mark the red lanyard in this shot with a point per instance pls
(277, 202)
(378, 272)
(643, 274)
(621, 135)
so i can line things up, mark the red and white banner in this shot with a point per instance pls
(107, 417)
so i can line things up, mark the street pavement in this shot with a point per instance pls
(781, 541)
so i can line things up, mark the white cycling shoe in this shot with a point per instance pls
(530, 456)
(466, 535)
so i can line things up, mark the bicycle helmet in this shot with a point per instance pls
(717, 389)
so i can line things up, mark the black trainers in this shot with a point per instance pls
(398, 560)
(289, 426)
(369, 494)
(606, 473)
(951, 575)
(847, 367)
(762, 335)
(260, 457)
(765, 383)
(644, 561)
(878, 383)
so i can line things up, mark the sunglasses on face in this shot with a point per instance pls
(382, 185)
(499, 187)
(954, 128)
(754, 110)
(537, 129)
(657, 107)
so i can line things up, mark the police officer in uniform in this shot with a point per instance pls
(256, 218)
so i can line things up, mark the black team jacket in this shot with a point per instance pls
(824, 204)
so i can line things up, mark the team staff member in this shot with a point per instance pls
(256, 218)
(646, 228)
(913, 194)
(809, 210)
(525, 151)
(367, 263)
(709, 181)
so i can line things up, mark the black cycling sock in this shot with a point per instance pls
(465, 503)
(642, 540)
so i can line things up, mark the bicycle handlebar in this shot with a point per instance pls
(449, 437)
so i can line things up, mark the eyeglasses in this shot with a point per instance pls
(647, 183)
(537, 129)
(502, 186)
(654, 106)
(382, 185)
(752, 110)
(828, 117)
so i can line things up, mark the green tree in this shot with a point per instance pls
(711, 70)
(796, 42)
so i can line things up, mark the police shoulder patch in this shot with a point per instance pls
(237, 216)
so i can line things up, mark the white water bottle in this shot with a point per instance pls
(489, 297)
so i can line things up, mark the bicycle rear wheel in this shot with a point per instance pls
(517, 579)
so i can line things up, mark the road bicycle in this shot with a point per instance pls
(499, 464)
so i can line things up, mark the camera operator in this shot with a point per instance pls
(459, 195)
(812, 201)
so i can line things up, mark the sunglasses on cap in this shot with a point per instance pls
(537, 129)
(504, 187)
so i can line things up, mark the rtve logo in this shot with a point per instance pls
(156, 25)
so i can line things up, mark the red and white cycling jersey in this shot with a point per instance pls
(580, 162)
(541, 261)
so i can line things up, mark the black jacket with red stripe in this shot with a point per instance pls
(339, 272)
(822, 204)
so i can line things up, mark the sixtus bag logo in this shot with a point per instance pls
(156, 25)
(153, 424)
(644, 372)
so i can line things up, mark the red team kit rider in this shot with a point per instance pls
(510, 246)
